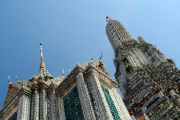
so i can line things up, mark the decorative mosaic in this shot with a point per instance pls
(110, 102)
(72, 106)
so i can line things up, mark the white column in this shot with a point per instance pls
(52, 106)
(23, 108)
(43, 104)
(120, 105)
(60, 107)
(85, 98)
(104, 112)
(35, 105)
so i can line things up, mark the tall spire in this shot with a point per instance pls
(42, 67)
(116, 32)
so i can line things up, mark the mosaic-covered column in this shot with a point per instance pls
(60, 108)
(24, 107)
(100, 105)
(85, 98)
(35, 105)
(43, 102)
(52, 104)
(124, 114)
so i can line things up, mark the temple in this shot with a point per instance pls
(147, 86)
(149, 83)
(86, 93)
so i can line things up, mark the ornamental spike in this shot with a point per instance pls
(42, 67)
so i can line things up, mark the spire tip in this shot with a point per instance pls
(107, 18)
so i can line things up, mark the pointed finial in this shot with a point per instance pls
(100, 58)
(41, 49)
(9, 79)
(107, 18)
(91, 59)
(16, 78)
(42, 67)
(62, 72)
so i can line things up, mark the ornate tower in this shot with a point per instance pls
(86, 93)
(127, 55)
(150, 83)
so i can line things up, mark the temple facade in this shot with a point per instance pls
(149, 82)
(86, 93)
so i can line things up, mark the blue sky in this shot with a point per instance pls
(73, 31)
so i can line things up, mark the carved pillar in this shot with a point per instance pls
(100, 103)
(124, 114)
(52, 104)
(43, 102)
(24, 107)
(85, 98)
(35, 105)
(60, 108)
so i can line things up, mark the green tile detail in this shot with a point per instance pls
(72, 106)
(13, 117)
(111, 105)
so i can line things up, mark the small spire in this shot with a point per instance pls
(42, 67)
(41, 49)
(100, 58)
(62, 72)
(9, 79)
(91, 58)
(17, 78)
